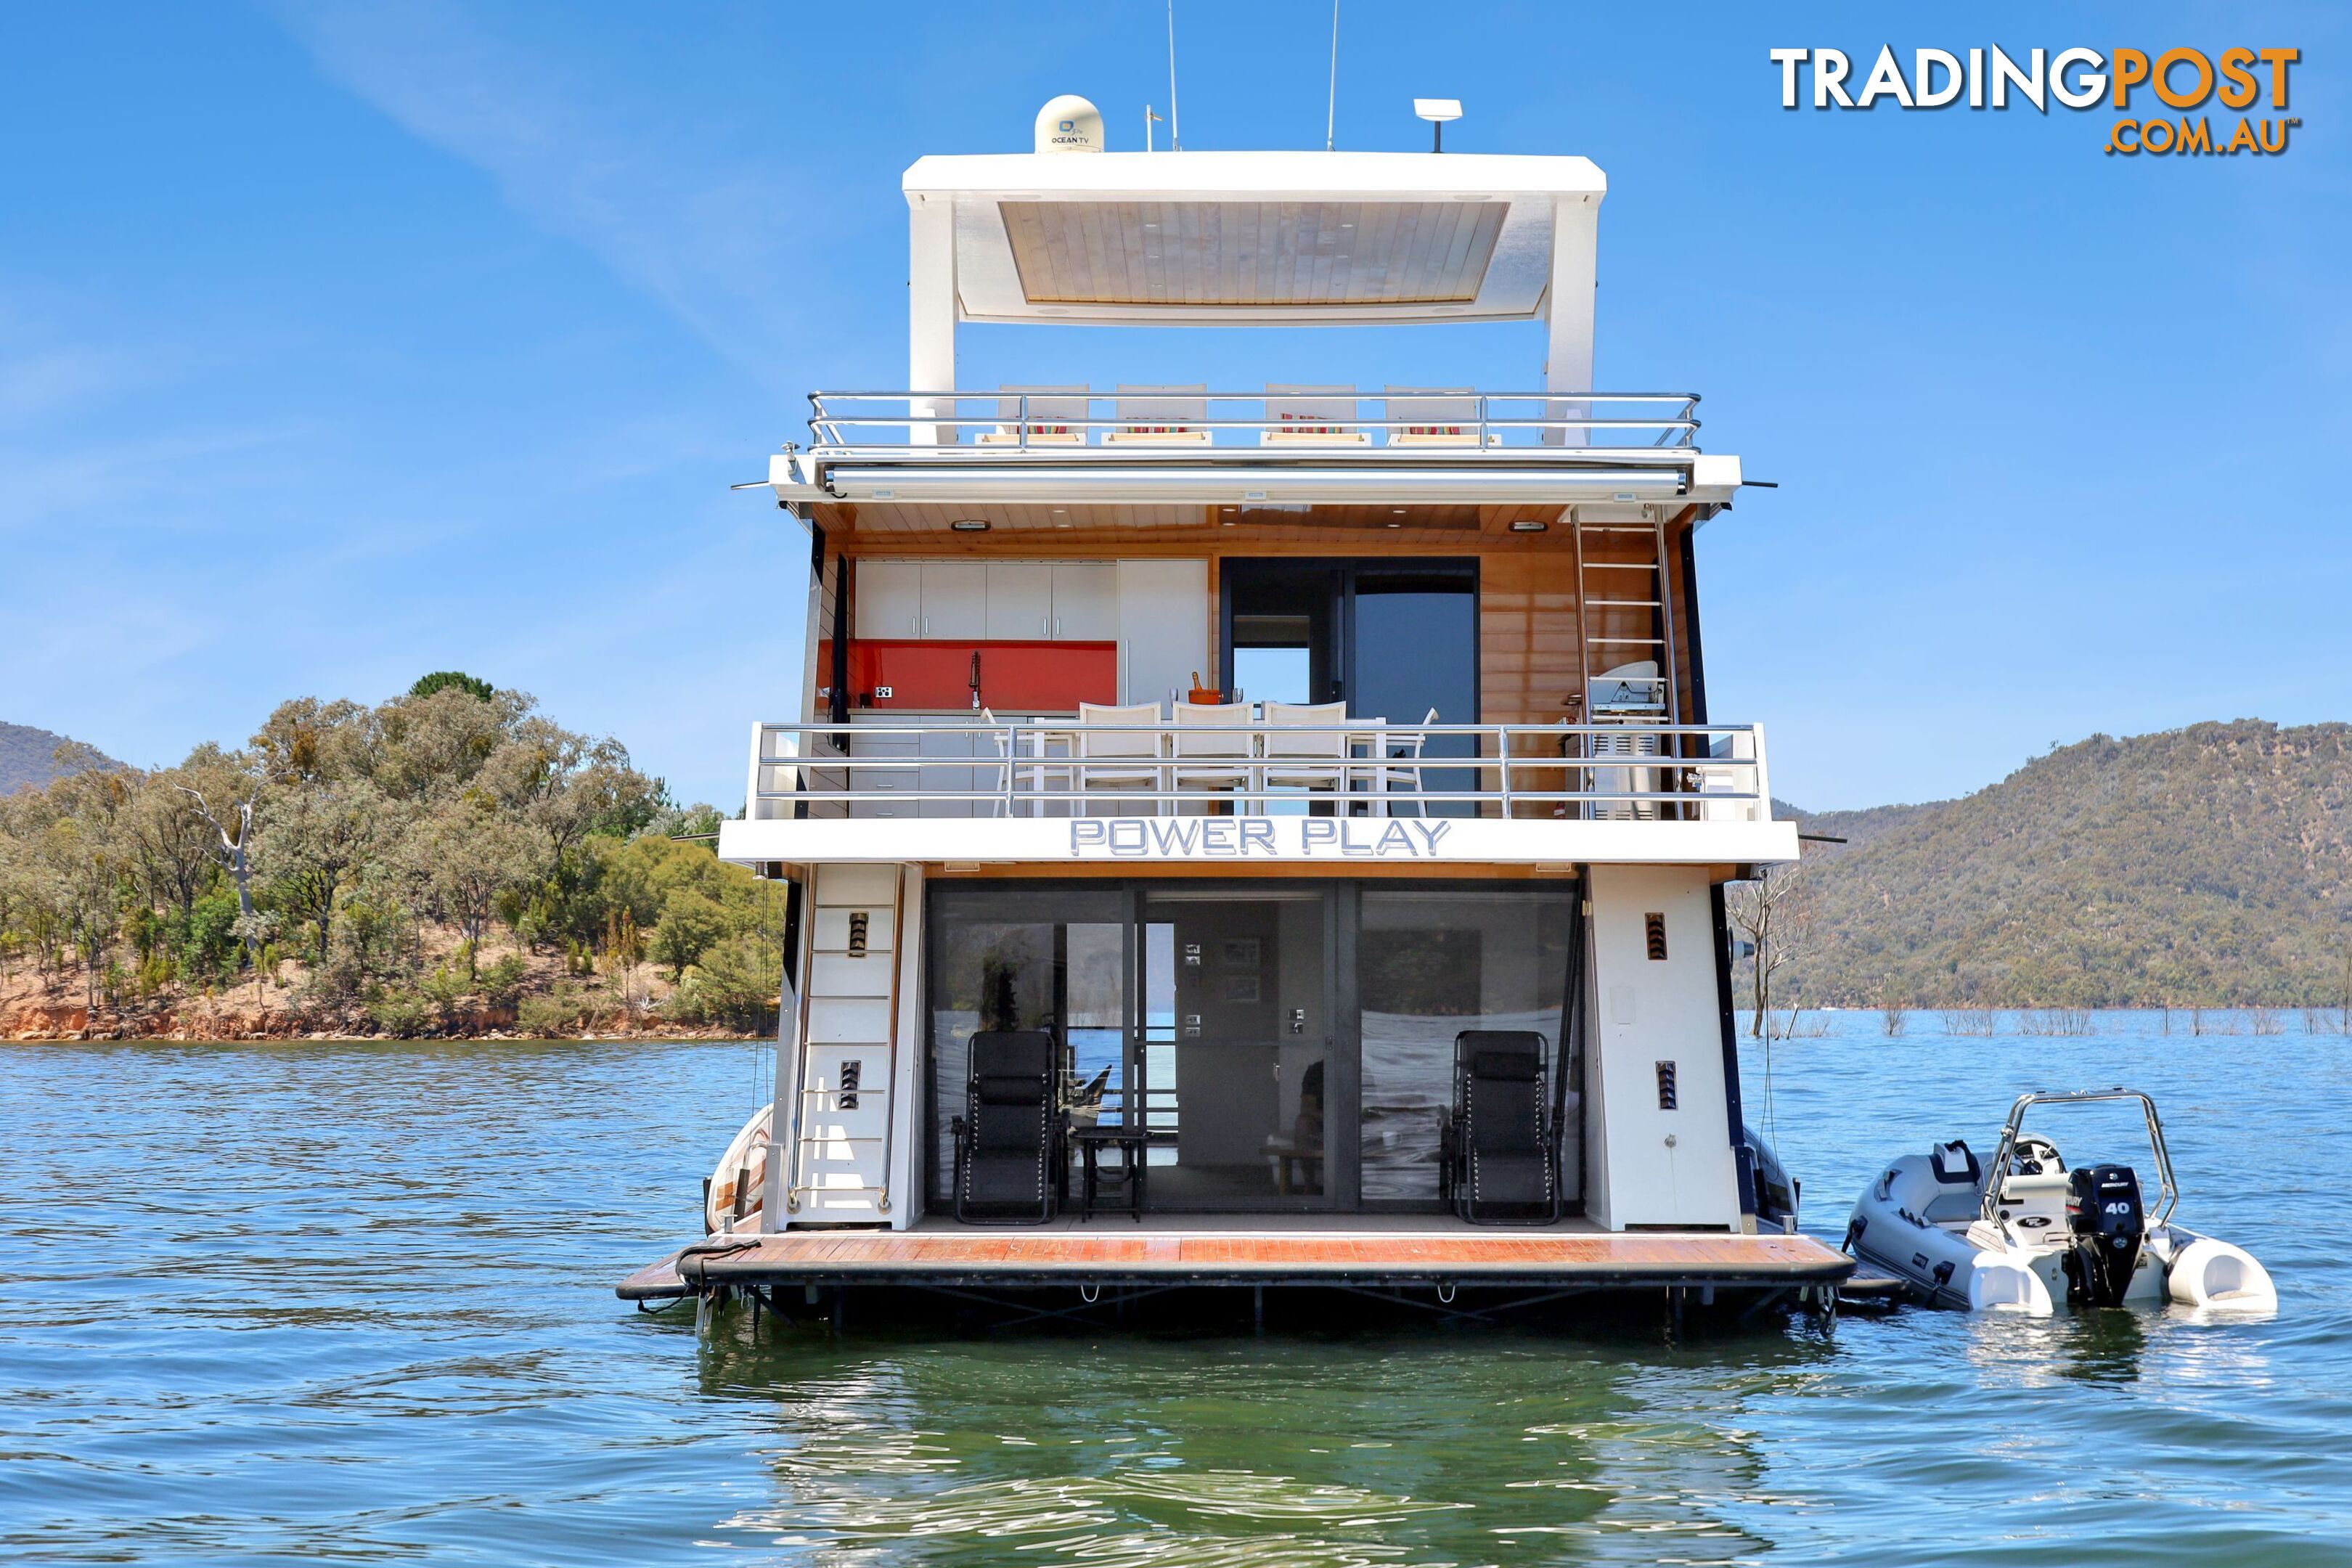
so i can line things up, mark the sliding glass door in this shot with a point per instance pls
(1234, 1052)
(1285, 1045)
(1394, 639)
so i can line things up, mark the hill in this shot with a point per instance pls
(2208, 865)
(28, 756)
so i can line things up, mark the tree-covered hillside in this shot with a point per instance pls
(2205, 865)
(29, 756)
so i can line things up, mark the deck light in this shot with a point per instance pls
(1437, 111)
(969, 525)
(1527, 525)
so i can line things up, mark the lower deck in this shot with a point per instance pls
(1388, 1252)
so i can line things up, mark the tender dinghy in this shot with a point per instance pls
(731, 1198)
(2031, 1236)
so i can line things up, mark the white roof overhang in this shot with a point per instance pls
(1270, 239)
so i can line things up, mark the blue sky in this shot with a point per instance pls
(340, 344)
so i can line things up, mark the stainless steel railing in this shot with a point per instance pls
(1060, 768)
(1166, 424)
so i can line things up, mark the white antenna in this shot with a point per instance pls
(1331, 116)
(1150, 120)
(1175, 136)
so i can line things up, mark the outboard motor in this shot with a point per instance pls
(1776, 1191)
(2103, 1210)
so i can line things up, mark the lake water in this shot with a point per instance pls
(340, 1303)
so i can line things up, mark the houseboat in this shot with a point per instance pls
(1265, 838)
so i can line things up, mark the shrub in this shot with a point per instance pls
(735, 984)
(502, 981)
(563, 1012)
(404, 1014)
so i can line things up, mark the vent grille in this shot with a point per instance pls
(1653, 927)
(857, 923)
(1666, 1092)
(852, 1071)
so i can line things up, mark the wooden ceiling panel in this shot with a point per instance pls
(914, 527)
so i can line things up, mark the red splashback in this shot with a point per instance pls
(1014, 676)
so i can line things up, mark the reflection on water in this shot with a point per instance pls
(334, 1303)
(1423, 1450)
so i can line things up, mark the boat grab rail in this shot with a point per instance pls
(2009, 1133)
(838, 422)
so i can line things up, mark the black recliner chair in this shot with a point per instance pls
(1008, 1137)
(1499, 1154)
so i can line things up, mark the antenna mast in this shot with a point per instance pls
(1175, 136)
(1331, 115)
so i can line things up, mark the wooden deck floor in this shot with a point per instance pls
(1014, 1258)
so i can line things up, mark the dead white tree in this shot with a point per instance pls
(236, 857)
(1773, 914)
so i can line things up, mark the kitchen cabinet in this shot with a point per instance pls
(1086, 601)
(889, 599)
(955, 601)
(1021, 600)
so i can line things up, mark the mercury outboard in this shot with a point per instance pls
(2104, 1214)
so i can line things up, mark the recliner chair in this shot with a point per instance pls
(1499, 1150)
(1007, 1138)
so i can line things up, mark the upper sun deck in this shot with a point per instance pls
(1261, 238)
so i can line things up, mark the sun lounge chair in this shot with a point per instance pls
(1500, 1154)
(1010, 1133)
(1311, 417)
(1160, 416)
(1434, 418)
(1057, 417)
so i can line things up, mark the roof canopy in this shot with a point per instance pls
(1252, 238)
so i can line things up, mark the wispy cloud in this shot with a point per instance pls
(674, 206)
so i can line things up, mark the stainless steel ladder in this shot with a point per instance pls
(1628, 621)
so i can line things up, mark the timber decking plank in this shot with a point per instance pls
(1321, 1255)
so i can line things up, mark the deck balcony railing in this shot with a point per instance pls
(1061, 768)
(1165, 423)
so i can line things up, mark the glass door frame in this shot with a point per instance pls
(1342, 914)
(1344, 574)
(1341, 1085)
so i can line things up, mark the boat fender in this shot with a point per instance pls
(1944, 1274)
(1853, 1229)
(2210, 1273)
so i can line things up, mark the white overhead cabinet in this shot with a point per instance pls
(995, 601)
(955, 600)
(889, 599)
(1086, 601)
(1021, 600)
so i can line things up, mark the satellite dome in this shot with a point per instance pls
(1069, 124)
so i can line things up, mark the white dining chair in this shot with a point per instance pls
(1394, 780)
(1115, 748)
(1301, 757)
(1211, 760)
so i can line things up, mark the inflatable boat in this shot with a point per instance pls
(2028, 1235)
